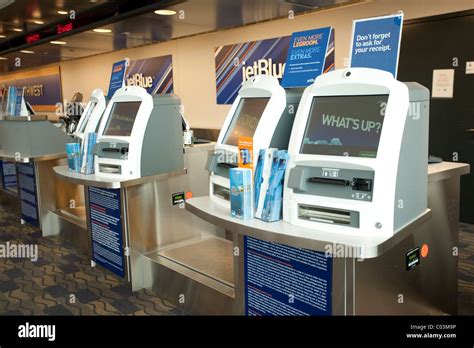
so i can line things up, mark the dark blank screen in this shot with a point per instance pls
(246, 119)
(122, 117)
(345, 125)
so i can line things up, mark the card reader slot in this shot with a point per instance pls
(221, 191)
(110, 149)
(226, 165)
(340, 182)
(331, 216)
(110, 168)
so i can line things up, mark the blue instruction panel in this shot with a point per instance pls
(106, 228)
(283, 280)
(28, 193)
(8, 172)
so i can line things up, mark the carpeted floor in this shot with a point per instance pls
(61, 281)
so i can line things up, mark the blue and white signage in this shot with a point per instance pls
(8, 171)
(106, 227)
(117, 77)
(282, 280)
(376, 43)
(311, 54)
(28, 193)
(154, 74)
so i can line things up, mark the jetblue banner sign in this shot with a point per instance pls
(237, 63)
(311, 54)
(376, 43)
(154, 74)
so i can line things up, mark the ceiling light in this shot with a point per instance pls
(3, 58)
(2, 36)
(17, 30)
(38, 22)
(102, 30)
(58, 42)
(165, 12)
(62, 12)
(27, 52)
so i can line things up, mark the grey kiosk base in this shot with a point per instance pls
(37, 194)
(387, 279)
(168, 250)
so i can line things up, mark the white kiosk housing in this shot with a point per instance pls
(92, 114)
(358, 157)
(139, 135)
(261, 111)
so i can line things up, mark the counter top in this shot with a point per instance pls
(444, 170)
(48, 157)
(200, 147)
(285, 233)
(110, 183)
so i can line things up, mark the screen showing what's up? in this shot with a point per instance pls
(345, 125)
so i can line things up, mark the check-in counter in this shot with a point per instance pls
(156, 230)
(32, 146)
(375, 280)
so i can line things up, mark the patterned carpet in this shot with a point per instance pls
(466, 270)
(61, 281)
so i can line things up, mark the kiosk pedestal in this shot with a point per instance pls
(280, 268)
(32, 146)
(158, 240)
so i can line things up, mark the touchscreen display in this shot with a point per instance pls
(121, 119)
(246, 119)
(345, 125)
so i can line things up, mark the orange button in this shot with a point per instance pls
(424, 250)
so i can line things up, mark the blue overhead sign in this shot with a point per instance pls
(376, 43)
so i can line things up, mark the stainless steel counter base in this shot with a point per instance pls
(197, 276)
(168, 250)
(381, 284)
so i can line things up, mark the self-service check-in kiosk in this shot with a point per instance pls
(358, 158)
(369, 228)
(134, 131)
(142, 178)
(92, 114)
(264, 111)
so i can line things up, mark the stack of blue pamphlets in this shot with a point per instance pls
(87, 166)
(272, 206)
(241, 193)
(262, 178)
(73, 152)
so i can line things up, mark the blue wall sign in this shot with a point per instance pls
(282, 280)
(28, 193)
(106, 229)
(376, 43)
(311, 54)
(117, 76)
(42, 91)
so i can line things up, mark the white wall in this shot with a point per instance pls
(193, 57)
